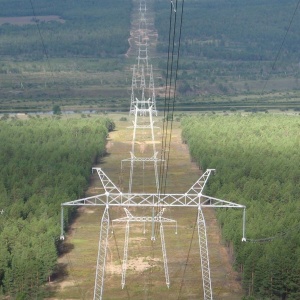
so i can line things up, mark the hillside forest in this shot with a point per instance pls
(44, 162)
(235, 56)
(227, 38)
(70, 52)
(77, 28)
(75, 53)
(258, 165)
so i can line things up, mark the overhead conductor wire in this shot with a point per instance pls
(77, 285)
(168, 83)
(117, 247)
(187, 258)
(162, 164)
(46, 54)
(278, 235)
(45, 51)
(174, 94)
(52, 75)
(43, 43)
(167, 94)
(168, 104)
(281, 46)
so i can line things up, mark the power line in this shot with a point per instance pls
(166, 149)
(44, 49)
(40, 34)
(171, 41)
(118, 252)
(166, 132)
(187, 258)
(281, 46)
(165, 119)
(174, 92)
(169, 103)
(279, 235)
(162, 165)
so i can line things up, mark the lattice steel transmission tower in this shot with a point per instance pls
(113, 197)
(143, 110)
(143, 101)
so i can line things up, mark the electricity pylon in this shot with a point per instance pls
(143, 108)
(112, 197)
(143, 102)
(157, 219)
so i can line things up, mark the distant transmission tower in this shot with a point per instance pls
(143, 102)
(143, 110)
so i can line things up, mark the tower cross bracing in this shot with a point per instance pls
(112, 197)
(143, 109)
(157, 219)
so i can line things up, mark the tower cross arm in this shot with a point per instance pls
(208, 201)
(98, 200)
(152, 200)
(199, 185)
(108, 185)
(114, 197)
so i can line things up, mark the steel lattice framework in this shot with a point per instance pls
(143, 108)
(113, 197)
(157, 219)
(204, 255)
(102, 249)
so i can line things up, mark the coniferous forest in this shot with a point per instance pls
(44, 162)
(73, 54)
(234, 30)
(258, 165)
(83, 28)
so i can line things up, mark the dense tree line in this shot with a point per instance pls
(258, 165)
(89, 28)
(234, 30)
(44, 162)
(231, 41)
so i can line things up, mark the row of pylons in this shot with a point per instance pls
(143, 103)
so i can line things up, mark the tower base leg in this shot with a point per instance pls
(102, 249)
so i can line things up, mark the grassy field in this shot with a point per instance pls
(145, 274)
(101, 80)
(29, 20)
(93, 84)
